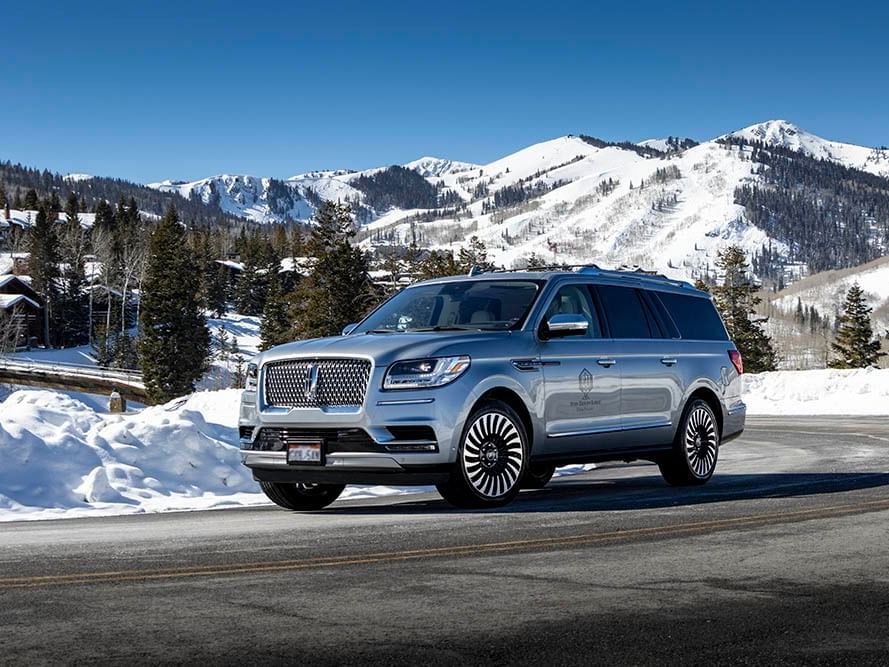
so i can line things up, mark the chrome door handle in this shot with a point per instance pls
(606, 362)
(668, 361)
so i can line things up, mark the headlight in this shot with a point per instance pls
(421, 373)
(251, 376)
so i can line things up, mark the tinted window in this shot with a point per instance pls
(660, 315)
(575, 300)
(624, 311)
(695, 316)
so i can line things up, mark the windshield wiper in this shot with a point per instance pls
(386, 331)
(446, 327)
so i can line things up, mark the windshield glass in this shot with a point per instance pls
(476, 304)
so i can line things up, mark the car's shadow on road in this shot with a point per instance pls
(648, 492)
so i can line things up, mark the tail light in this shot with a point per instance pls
(737, 362)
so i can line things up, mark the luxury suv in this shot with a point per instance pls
(482, 385)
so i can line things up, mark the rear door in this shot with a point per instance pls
(581, 379)
(650, 385)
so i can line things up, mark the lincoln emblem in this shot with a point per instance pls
(312, 382)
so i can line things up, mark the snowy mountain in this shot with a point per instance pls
(787, 135)
(669, 204)
(826, 291)
(436, 166)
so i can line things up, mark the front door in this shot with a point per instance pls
(582, 381)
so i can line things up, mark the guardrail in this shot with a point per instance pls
(81, 376)
(130, 376)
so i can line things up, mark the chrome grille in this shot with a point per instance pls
(317, 383)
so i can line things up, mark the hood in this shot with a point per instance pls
(387, 348)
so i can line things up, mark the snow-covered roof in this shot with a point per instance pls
(8, 278)
(237, 266)
(7, 301)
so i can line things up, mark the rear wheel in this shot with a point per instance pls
(301, 495)
(538, 475)
(491, 460)
(695, 449)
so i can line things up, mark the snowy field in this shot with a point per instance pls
(63, 455)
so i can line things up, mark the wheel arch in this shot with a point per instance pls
(708, 396)
(513, 400)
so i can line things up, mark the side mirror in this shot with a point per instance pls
(349, 328)
(566, 324)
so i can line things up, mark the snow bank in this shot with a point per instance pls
(60, 457)
(818, 392)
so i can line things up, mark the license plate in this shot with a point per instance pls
(304, 453)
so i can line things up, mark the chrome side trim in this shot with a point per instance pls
(575, 434)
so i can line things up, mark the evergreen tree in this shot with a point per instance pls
(43, 264)
(855, 346)
(338, 290)
(72, 321)
(217, 290)
(736, 300)
(174, 343)
(275, 319)
(474, 255)
(31, 201)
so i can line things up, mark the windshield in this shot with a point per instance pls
(469, 304)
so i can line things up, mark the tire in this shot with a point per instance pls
(538, 475)
(301, 496)
(491, 460)
(695, 448)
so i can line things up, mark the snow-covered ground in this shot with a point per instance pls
(62, 455)
(818, 392)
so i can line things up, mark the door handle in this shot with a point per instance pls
(668, 361)
(607, 363)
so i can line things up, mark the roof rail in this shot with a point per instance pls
(635, 270)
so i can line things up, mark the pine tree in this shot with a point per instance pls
(72, 322)
(736, 300)
(43, 263)
(31, 202)
(338, 291)
(275, 323)
(217, 289)
(174, 343)
(855, 346)
(474, 255)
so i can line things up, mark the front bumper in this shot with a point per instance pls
(397, 437)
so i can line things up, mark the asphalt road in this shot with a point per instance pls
(782, 558)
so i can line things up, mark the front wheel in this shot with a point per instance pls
(695, 449)
(301, 495)
(491, 460)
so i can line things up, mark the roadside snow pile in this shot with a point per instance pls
(60, 457)
(818, 392)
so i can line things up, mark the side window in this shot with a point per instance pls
(658, 316)
(575, 300)
(695, 316)
(624, 311)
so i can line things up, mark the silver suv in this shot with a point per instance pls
(482, 385)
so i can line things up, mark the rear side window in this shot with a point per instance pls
(695, 316)
(624, 312)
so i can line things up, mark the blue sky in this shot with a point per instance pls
(186, 90)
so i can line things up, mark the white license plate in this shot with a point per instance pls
(304, 452)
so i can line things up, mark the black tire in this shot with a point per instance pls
(300, 496)
(695, 448)
(538, 475)
(491, 459)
